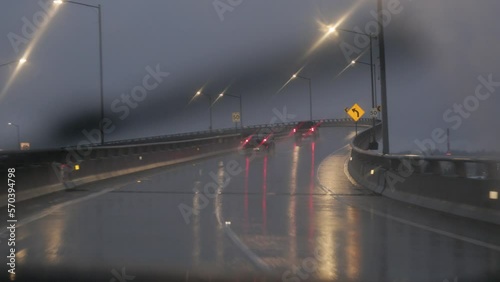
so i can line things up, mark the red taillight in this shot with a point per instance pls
(265, 139)
(294, 130)
(312, 129)
(246, 141)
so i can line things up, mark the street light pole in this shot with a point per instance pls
(101, 127)
(371, 74)
(241, 105)
(241, 111)
(370, 36)
(18, 134)
(383, 82)
(101, 76)
(310, 101)
(371, 79)
(209, 106)
(373, 143)
(310, 92)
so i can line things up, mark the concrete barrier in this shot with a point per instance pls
(458, 185)
(55, 171)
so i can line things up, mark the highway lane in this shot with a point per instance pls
(293, 215)
(315, 223)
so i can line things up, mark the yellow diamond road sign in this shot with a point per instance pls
(356, 112)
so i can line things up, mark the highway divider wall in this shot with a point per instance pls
(44, 172)
(463, 186)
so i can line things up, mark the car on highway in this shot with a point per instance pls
(258, 143)
(306, 129)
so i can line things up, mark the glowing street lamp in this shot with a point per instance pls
(20, 62)
(199, 93)
(383, 82)
(241, 104)
(374, 143)
(353, 62)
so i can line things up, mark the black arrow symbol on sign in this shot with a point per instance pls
(355, 111)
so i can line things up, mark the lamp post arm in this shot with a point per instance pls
(82, 4)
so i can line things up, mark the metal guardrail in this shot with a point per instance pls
(450, 166)
(232, 130)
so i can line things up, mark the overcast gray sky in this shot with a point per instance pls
(436, 50)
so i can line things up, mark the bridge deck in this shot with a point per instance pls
(294, 214)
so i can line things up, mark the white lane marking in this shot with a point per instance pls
(401, 220)
(244, 248)
(256, 260)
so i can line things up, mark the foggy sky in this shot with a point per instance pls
(436, 50)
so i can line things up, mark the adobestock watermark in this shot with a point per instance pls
(455, 117)
(371, 28)
(224, 6)
(139, 93)
(31, 26)
(280, 117)
(221, 178)
(121, 107)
